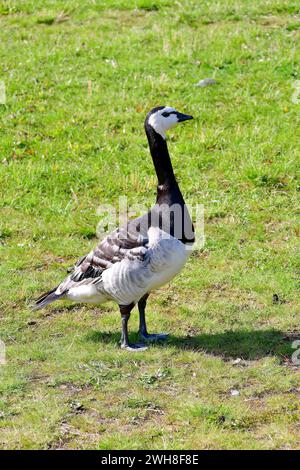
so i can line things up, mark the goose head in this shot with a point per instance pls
(163, 118)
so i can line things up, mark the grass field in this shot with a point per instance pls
(79, 79)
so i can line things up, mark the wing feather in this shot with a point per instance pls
(112, 249)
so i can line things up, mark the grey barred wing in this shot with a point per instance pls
(114, 248)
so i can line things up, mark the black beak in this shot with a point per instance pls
(183, 117)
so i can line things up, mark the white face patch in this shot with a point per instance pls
(163, 120)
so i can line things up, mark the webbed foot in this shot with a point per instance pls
(134, 347)
(153, 337)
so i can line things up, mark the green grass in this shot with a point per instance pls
(66, 148)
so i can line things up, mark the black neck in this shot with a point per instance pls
(168, 192)
(161, 160)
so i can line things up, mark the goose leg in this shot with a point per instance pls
(125, 311)
(144, 335)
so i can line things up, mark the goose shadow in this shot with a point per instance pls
(244, 344)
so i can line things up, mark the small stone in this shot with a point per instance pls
(234, 393)
(236, 361)
(206, 82)
(77, 407)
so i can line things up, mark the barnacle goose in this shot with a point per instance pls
(145, 254)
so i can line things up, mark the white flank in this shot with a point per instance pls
(129, 280)
(86, 293)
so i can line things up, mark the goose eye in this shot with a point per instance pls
(165, 114)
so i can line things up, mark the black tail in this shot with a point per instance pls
(46, 299)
